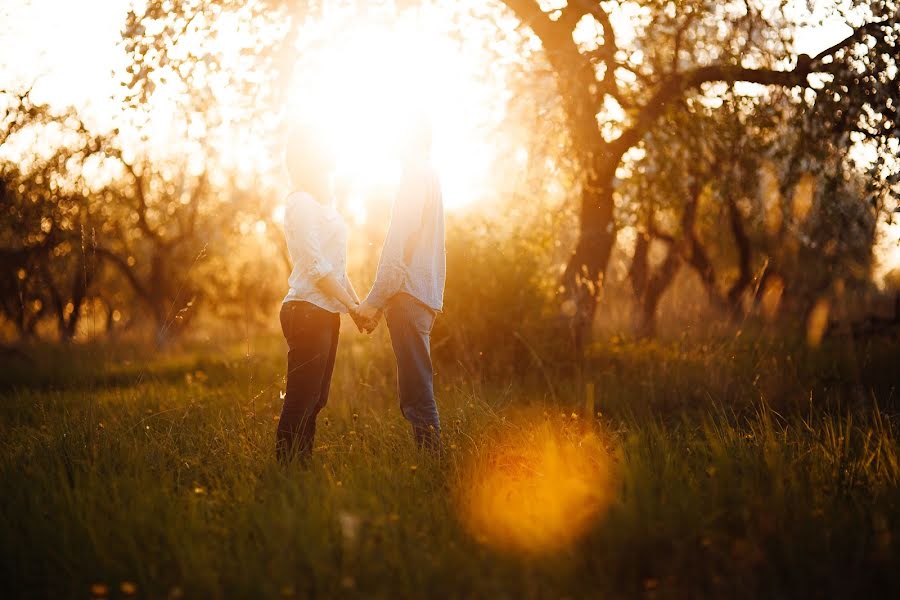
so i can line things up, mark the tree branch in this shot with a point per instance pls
(609, 35)
(530, 15)
(853, 37)
(575, 72)
(676, 85)
(126, 270)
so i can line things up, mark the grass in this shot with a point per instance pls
(731, 470)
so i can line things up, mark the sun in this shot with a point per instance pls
(363, 83)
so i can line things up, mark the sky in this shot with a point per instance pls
(66, 49)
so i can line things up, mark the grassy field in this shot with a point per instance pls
(731, 469)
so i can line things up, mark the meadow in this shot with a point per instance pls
(739, 468)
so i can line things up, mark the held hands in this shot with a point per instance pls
(365, 317)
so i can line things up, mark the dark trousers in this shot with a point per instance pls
(410, 323)
(312, 336)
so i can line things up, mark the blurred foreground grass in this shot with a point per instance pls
(717, 469)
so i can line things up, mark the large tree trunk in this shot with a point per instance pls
(583, 277)
(745, 276)
(649, 285)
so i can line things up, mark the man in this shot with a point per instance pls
(409, 285)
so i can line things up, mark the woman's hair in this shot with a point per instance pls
(306, 156)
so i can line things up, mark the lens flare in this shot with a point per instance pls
(537, 488)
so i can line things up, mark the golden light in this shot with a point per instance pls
(817, 322)
(369, 79)
(536, 489)
(771, 297)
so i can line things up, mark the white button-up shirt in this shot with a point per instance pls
(413, 259)
(317, 241)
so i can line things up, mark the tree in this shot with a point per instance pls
(47, 267)
(756, 194)
(615, 93)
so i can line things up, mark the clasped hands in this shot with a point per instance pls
(365, 317)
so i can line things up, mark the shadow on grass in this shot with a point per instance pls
(93, 366)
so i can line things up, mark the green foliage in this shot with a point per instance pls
(501, 315)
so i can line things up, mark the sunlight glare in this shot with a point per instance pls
(370, 79)
(536, 489)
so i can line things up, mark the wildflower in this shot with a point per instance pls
(413, 468)
(99, 590)
(128, 588)
(199, 490)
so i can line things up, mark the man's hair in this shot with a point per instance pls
(306, 156)
(423, 131)
(419, 133)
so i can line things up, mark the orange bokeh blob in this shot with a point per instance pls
(536, 488)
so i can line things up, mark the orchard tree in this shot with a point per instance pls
(47, 264)
(758, 201)
(621, 66)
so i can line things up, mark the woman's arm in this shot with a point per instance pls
(330, 285)
(303, 243)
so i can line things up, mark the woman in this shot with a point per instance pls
(319, 292)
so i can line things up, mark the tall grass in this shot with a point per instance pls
(734, 471)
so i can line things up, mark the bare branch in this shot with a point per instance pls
(871, 28)
(676, 85)
(126, 270)
(142, 204)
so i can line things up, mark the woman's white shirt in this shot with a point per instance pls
(317, 242)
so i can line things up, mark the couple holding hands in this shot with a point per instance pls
(408, 289)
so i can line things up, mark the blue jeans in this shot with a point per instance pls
(312, 336)
(410, 323)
